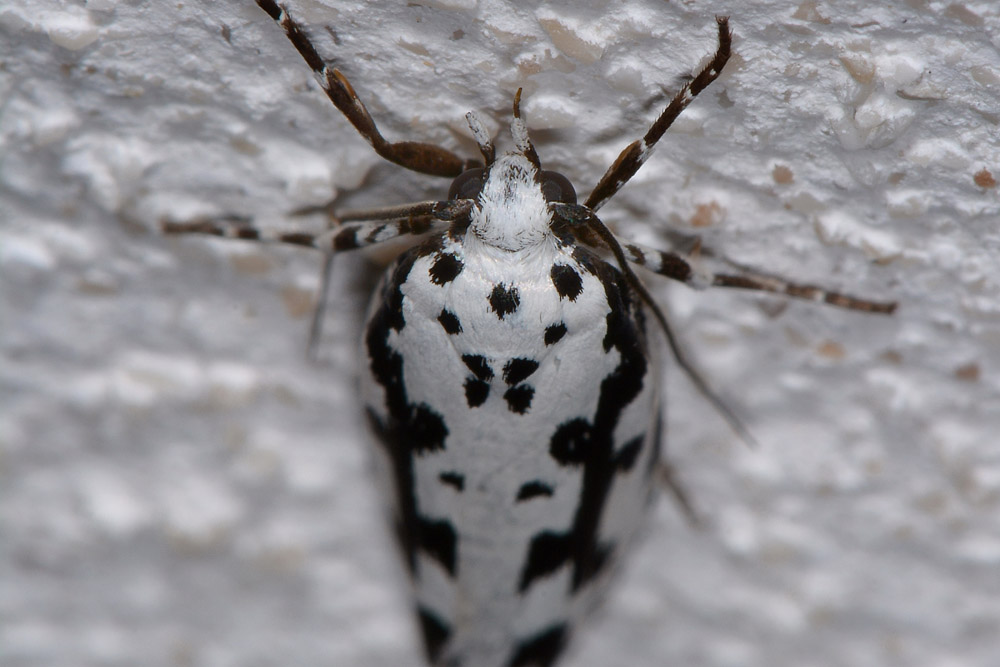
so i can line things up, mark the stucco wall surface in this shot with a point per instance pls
(180, 486)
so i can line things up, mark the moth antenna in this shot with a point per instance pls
(519, 130)
(482, 137)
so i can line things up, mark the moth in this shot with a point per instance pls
(508, 377)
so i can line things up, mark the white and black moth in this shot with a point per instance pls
(508, 378)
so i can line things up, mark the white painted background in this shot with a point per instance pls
(179, 486)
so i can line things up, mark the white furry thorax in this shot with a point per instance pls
(511, 212)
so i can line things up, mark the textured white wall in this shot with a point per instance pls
(179, 486)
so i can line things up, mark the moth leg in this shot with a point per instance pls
(359, 229)
(416, 156)
(667, 476)
(681, 268)
(319, 311)
(589, 229)
(353, 229)
(636, 153)
(363, 234)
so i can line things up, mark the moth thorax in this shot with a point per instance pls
(511, 213)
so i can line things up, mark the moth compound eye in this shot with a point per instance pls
(557, 188)
(467, 185)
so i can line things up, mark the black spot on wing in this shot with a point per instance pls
(627, 455)
(625, 322)
(453, 479)
(519, 398)
(449, 322)
(601, 557)
(477, 386)
(623, 384)
(426, 430)
(518, 370)
(547, 552)
(385, 363)
(504, 300)
(479, 366)
(533, 489)
(567, 281)
(589, 443)
(407, 430)
(541, 650)
(554, 333)
(438, 540)
(445, 268)
(476, 392)
(570, 444)
(392, 295)
(625, 333)
(434, 630)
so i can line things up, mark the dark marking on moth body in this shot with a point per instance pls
(434, 630)
(518, 370)
(449, 322)
(534, 489)
(567, 281)
(554, 333)
(542, 649)
(588, 443)
(547, 552)
(385, 363)
(410, 430)
(426, 430)
(479, 366)
(476, 392)
(453, 479)
(445, 268)
(570, 444)
(392, 296)
(477, 385)
(438, 540)
(519, 398)
(504, 300)
(627, 455)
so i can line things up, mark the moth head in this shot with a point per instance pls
(512, 193)
(469, 184)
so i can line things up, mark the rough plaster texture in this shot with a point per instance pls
(179, 486)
